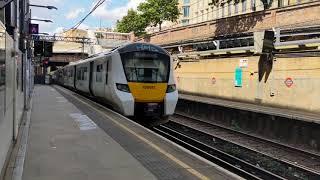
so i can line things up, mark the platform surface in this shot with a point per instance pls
(71, 138)
(282, 112)
(62, 147)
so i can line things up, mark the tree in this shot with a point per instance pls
(132, 22)
(158, 11)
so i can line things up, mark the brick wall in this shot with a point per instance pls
(287, 17)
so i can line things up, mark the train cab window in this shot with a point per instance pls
(146, 67)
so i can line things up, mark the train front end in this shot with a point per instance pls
(149, 74)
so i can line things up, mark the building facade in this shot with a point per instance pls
(197, 11)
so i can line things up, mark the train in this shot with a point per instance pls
(135, 79)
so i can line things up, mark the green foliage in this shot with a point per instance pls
(132, 22)
(158, 11)
(150, 13)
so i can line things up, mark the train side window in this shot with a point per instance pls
(99, 73)
(79, 74)
(84, 77)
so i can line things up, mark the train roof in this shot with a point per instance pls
(132, 47)
(140, 46)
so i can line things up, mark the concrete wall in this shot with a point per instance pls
(287, 17)
(263, 81)
(297, 133)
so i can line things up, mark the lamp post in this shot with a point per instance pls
(44, 20)
(46, 34)
(41, 6)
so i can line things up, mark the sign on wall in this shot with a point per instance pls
(243, 63)
(288, 82)
(34, 28)
(238, 77)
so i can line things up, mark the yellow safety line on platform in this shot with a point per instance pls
(170, 156)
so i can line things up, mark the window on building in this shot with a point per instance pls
(236, 8)
(186, 11)
(253, 5)
(217, 12)
(212, 11)
(202, 16)
(229, 8)
(280, 3)
(244, 6)
(185, 22)
(207, 12)
(186, 1)
(222, 10)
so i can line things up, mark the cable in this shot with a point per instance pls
(99, 3)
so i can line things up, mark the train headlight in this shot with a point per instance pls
(123, 87)
(171, 88)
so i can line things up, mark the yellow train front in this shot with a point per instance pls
(135, 79)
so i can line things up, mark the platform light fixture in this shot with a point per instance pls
(41, 6)
(44, 20)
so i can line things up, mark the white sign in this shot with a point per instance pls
(3, 3)
(243, 63)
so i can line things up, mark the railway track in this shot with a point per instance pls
(266, 154)
(214, 155)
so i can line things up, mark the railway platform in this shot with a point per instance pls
(70, 137)
(275, 111)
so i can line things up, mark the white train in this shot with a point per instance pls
(135, 79)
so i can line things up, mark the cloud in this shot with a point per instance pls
(73, 14)
(115, 13)
(59, 30)
(84, 26)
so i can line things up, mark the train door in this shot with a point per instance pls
(98, 80)
(107, 78)
(91, 75)
(74, 76)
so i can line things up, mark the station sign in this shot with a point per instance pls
(213, 80)
(288, 82)
(33, 28)
(3, 3)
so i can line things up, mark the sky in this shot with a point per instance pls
(72, 11)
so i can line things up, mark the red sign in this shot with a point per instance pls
(213, 80)
(289, 82)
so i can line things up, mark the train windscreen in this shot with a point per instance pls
(145, 67)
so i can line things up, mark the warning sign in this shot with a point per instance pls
(213, 80)
(243, 63)
(288, 82)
